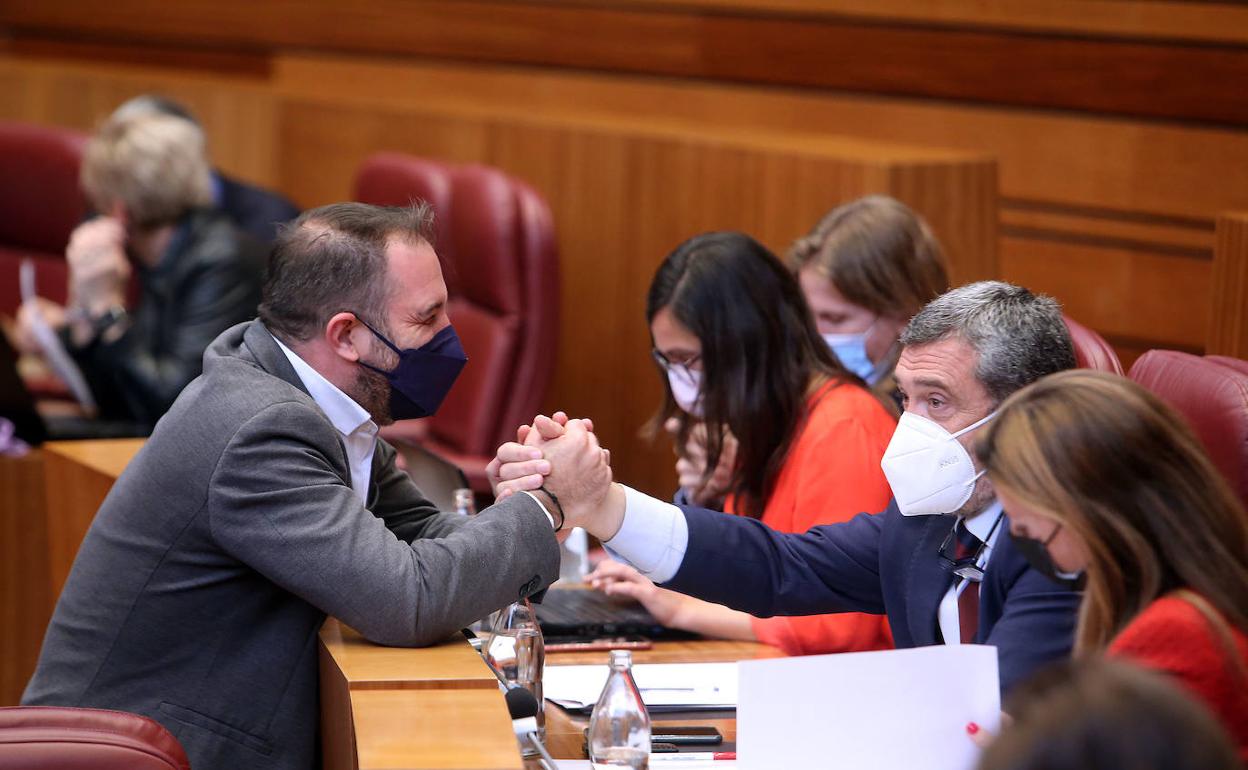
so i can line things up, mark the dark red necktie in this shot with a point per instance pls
(968, 601)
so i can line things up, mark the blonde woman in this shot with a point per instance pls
(1105, 484)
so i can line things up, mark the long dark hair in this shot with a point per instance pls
(760, 353)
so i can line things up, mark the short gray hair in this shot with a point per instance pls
(1019, 336)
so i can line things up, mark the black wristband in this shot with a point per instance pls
(558, 507)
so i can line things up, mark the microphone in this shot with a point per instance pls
(522, 706)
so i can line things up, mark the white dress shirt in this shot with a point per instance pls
(359, 432)
(982, 526)
(654, 536)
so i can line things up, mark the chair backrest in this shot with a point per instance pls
(1091, 349)
(495, 237)
(42, 204)
(85, 739)
(1213, 397)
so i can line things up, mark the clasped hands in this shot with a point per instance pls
(560, 459)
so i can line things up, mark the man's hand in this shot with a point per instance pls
(98, 268)
(520, 463)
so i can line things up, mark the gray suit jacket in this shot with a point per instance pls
(198, 592)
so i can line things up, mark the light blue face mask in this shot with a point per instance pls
(851, 349)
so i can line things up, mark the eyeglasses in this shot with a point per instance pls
(683, 368)
(966, 567)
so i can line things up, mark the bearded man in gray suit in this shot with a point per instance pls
(264, 501)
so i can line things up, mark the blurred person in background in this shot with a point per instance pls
(1099, 714)
(1105, 484)
(739, 356)
(253, 209)
(149, 178)
(865, 269)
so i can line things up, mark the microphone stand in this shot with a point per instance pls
(522, 705)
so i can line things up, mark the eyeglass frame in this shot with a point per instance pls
(681, 368)
(967, 567)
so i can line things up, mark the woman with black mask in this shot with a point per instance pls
(1104, 483)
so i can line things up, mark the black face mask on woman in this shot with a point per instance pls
(1036, 552)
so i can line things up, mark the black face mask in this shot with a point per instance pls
(1036, 552)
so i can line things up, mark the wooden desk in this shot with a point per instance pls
(395, 707)
(25, 606)
(565, 732)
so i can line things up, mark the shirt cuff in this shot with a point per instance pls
(653, 537)
(537, 500)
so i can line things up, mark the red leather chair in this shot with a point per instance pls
(496, 240)
(40, 204)
(1213, 396)
(85, 739)
(1091, 349)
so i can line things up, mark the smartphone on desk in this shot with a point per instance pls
(591, 644)
(666, 739)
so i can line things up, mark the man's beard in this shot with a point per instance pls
(372, 392)
(981, 497)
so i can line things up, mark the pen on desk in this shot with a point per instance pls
(692, 756)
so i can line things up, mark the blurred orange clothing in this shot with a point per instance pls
(831, 474)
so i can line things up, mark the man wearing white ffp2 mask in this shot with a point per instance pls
(929, 470)
(945, 578)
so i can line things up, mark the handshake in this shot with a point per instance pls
(559, 460)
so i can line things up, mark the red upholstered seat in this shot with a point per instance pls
(85, 739)
(40, 204)
(1213, 396)
(1091, 349)
(496, 240)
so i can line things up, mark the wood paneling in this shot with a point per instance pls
(1142, 78)
(25, 604)
(624, 192)
(237, 112)
(1228, 325)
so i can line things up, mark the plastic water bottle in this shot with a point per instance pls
(516, 648)
(619, 729)
(574, 557)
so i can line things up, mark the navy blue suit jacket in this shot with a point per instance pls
(884, 564)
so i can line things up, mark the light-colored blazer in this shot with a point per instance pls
(198, 592)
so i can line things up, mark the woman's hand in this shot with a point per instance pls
(691, 464)
(616, 579)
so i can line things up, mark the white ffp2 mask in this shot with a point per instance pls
(927, 469)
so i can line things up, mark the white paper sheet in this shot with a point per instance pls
(662, 685)
(54, 352)
(891, 710)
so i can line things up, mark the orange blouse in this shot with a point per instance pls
(832, 473)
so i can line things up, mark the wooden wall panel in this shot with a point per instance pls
(622, 198)
(1228, 310)
(237, 111)
(1151, 78)
(25, 606)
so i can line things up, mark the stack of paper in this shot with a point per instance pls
(893, 710)
(664, 686)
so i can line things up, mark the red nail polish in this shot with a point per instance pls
(971, 728)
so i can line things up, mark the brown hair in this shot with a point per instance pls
(1122, 471)
(331, 259)
(878, 253)
(1101, 714)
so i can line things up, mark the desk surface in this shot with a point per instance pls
(367, 666)
(108, 457)
(564, 731)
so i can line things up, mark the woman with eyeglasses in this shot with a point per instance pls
(739, 356)
(866, 268)
(1105, 484)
